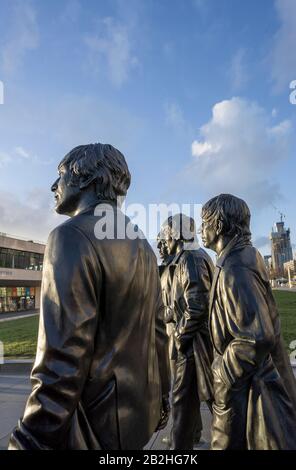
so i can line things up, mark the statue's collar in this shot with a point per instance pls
(93, 205)
(236, 243)
(186, 247)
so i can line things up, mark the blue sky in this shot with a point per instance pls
(194, 92)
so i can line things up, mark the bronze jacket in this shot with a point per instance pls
(251, 366)
(192, 272)
(166, 285)
(101, 366)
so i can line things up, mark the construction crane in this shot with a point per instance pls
(279, 212)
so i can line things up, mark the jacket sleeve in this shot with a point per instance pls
(68, 322)
(162, 344)
(249, 323)
(194, 276)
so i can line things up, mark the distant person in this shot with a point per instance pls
(101, 375)
(254, 386)
(192, 273)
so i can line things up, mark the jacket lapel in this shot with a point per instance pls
(219, 264)
(172, 269)
(234, 244)
(213, 287)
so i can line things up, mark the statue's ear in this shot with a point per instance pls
(84, 182)
(219, 228)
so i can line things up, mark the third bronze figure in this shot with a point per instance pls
(191, 271)
(254, 386)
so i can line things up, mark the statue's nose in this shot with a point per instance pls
(55, 185)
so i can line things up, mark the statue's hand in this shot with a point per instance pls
(165, 413)
(177, 340)
(168, 315)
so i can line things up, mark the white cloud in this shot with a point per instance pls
(238, 149)
(4, 158)
(283, 57)
(113, 44)
(31, 217)
(18, 153)
(22, 152)
(201, 148)
(281, 129)
(23, 37)
(72, 119)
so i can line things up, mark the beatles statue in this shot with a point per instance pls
(254, 386)
(101, 377)
(186, 284)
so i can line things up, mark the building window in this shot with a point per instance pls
(16, 259)
(14, 299)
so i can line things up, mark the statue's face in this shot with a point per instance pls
(209, 234)
(171, 245)
(162, 248)
(67, 195)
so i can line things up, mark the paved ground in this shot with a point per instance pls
(17, 315)
(14, 390)
(290, 289)
(156, 440)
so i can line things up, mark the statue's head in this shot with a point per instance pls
(224, 216)
(162, 246)
(97, 169)
(178, 229)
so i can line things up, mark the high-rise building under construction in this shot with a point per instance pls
(281, 249)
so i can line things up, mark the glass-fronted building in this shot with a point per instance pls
(17, 259)
(21, 263)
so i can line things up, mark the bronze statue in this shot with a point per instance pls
(166, 284)
(101, 375)
(254, 386)
(191, 272)
(163, 250)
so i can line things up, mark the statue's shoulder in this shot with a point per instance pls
(240, 267)
(68, 228)
(188, 263)
(197, 257)
(244, 258)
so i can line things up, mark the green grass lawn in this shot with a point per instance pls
(286, 302)
(19, 336)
